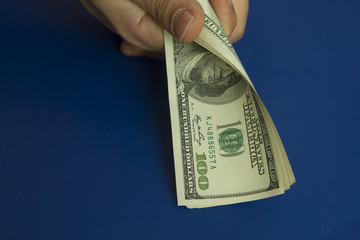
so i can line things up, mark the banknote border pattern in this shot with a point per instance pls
(218, 32)
(274, 181)
(186, 139)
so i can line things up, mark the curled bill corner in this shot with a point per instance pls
(226, 147)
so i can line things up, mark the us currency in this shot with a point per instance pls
(226, 147)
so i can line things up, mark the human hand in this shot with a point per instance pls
(141, 22)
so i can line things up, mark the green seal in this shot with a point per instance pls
(231, 140)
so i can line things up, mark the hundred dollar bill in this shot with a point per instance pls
(226, 147)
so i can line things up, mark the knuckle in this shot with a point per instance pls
(134, 33)
(162, 10)
(143, 34)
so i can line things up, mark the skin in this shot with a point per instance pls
(140, 23)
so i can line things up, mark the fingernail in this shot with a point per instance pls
(180, 23)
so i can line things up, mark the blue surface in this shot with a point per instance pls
(85, 140)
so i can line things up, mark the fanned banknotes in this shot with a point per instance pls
(226, 147)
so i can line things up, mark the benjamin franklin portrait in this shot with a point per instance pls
(205, 76)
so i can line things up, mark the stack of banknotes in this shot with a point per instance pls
(226, 147)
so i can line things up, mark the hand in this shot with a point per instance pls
(141, 22)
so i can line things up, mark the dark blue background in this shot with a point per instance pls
(85, 140)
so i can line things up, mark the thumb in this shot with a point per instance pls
(184, 19)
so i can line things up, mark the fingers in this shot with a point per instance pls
(225, 11)
(182, 18)
(241, 8)
(93, 9)
(141, 22)
(131, 22)
(131, 50)
(232, 14)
